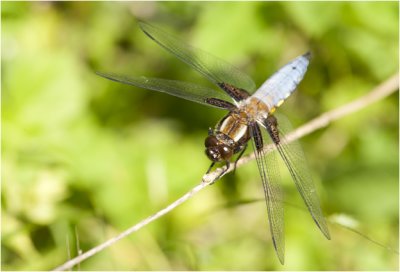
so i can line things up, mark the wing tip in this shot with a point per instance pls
(324, 228)
(107, 76)
(280, 251)
(101, 74)
(142, 24)
(326, 233)
(146, 28)
(281, 259)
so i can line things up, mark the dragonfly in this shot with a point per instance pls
(251, 118)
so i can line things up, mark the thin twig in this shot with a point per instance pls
(68, 248)
(386, 88)
(78, 247)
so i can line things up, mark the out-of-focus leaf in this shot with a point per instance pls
(315, 19)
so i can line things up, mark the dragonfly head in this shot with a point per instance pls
(216, 150)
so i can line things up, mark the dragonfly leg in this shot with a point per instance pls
(238, 158)
(227, 165)
(209, 168)
(223, 171)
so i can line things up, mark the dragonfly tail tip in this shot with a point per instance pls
(307, 55)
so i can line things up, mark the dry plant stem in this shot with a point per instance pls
(386, 88)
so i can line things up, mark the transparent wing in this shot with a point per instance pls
(186, 90)
(281, 84)
(294, 158)
(215, 69)
(269, 172)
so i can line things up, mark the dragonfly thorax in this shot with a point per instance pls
(229, 137)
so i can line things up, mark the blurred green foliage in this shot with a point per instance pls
(84, 158)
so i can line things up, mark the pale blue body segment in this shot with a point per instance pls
(281, 84)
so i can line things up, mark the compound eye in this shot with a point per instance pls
(211, 141)
(226, 152)
(213, 154)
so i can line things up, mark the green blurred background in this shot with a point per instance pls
(84, 158)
